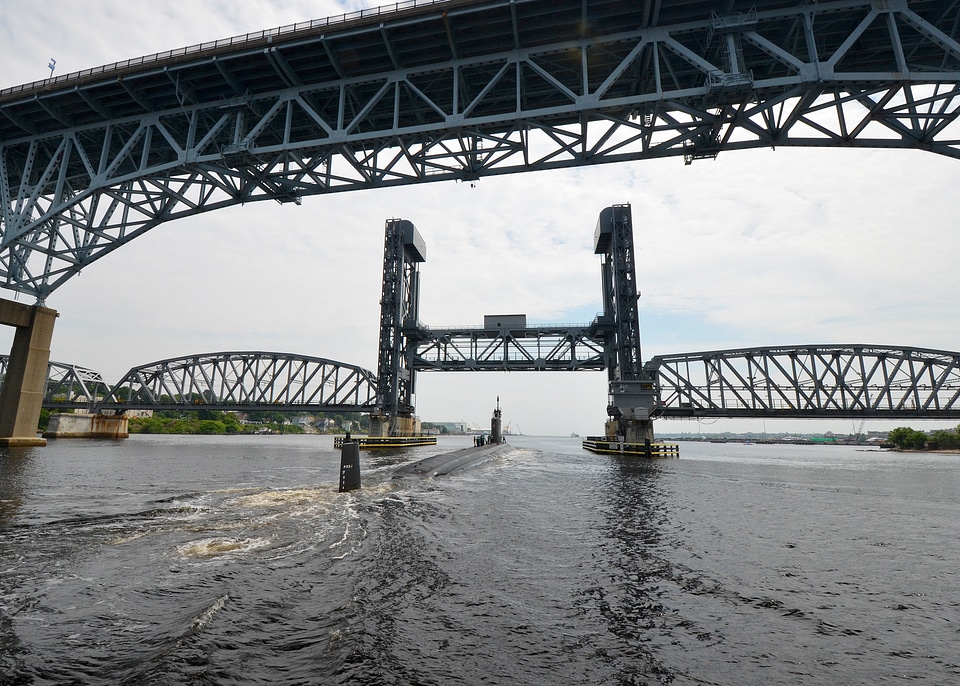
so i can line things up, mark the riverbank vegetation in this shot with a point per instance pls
(207, 422)
(905, 438)
(214, 422)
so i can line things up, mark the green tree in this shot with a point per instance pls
(231, 423)
(905, 438)
(211, 426)
(944, 440)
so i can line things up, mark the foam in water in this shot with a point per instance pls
(213, 547)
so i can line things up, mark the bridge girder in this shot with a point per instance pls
(455, 90)
(245, 381)
(538, 348)
(827, 381)
(802, 382)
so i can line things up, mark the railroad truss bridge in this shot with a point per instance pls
(811, 381)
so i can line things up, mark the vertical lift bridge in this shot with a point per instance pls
(506, 343)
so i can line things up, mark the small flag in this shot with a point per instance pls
(52, 65)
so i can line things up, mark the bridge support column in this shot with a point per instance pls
(384, 426)
(85, 425)
(638, 431)
(21, 395)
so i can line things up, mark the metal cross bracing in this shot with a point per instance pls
(559, 347)
(245, 380)
(456, 90)
(871, 382)
(403, 250)
(614, 240)
(68, 386)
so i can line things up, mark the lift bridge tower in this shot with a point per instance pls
(632, 393)
(406, 346)
(403, 250)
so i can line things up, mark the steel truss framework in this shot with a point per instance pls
(456, 90)
(68, 386)
(542, 348)
(811, 381)
(246, 380)
(403, 250)
(615, 241)
(871, 382)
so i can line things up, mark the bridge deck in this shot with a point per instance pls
(455, 90)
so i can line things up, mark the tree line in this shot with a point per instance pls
(905, 438)
(212, 422)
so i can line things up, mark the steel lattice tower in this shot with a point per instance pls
(403, 250)
(632, 393)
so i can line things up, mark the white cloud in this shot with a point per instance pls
(755, 248)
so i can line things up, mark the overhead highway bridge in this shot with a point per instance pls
(437, 90)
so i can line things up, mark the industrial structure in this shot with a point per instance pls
(245, 381)
(403, 251)
(433, 90)
(506, 343)
(68, 386)
(829, 381)
(826, 381)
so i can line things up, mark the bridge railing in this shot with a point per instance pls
(212, 46)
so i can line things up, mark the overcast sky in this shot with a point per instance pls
(755, 248)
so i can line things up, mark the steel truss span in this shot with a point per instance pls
(246, 380)
(455, 90)
(541, 348)
(68, 386)
(871, 382)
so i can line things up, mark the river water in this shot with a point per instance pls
(233, 560)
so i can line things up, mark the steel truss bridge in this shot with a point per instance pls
(556, 347)
(245, 380)
(832, 381)
(217, 381)
(802, 382)
(68, 386)
(864, 381)
(430, 90)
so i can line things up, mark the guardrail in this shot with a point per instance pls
(202, 48)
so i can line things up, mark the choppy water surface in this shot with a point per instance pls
(213, 560)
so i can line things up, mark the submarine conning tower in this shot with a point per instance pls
(496, 424)
(632, 395)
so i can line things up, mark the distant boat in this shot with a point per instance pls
(574, 434)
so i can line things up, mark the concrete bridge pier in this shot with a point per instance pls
(638, 431)
(21, 394)
(386, 426)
